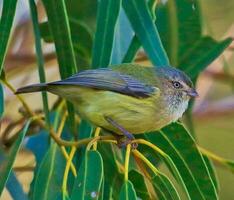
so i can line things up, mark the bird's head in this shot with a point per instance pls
(175, 83)
(176, 90)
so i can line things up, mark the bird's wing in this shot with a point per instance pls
(107, 79)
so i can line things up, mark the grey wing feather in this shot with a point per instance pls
(107, 79)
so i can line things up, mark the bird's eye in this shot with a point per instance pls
(176, 84)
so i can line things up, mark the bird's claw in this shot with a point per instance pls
(122, 142)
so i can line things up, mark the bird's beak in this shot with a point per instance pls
(192, 93)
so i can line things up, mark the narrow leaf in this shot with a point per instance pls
(127, 192)
(164, 188)
(140, 186)
(8, 13)
(181, 148)
(146, 31)
(108, 11)
(88, 183)
(60, 29)
(201, 54)
(7, 163)
(122, 40)
(40, 59)
(49, 176)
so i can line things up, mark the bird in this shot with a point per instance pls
(125, 99)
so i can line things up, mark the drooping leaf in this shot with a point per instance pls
(177, 143)
(201, 54)
(87, 185)
(49, 176)
(164, 188)
(60, 29)
(135, 43)
(127, 191)
(7, 18)
(108, 11)
(139, 15)
(7, 163)
(40, 59)
(139, 184)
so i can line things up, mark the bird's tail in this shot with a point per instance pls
(32, 88)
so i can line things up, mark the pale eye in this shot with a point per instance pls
(177, 84)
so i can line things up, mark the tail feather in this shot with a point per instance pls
(32, 88)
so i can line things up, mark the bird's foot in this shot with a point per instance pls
(123, 141)
(127, 138)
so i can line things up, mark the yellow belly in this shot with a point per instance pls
(133, 114)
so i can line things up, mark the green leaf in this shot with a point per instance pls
(6, 165)
(177, 143)
(1, 100)
(8, 13)
(108, 11)
(49, 177)
(87, 185)
(40, 59)
(135, 43)
(113, 181)
(201, 54)
(164, 188)
(127, 192)
(81, 39)
(122, 40)
(212, 172)
(140, 186)
(146, 31)
(60, 29)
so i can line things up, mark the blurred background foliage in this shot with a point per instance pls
(197, 37)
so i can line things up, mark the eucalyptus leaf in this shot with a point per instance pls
(139, 184)
(143, 24)
(127, 192)
(88, 183)
(164, 188)
(108, 12)
(7, 163)
(60, 29)
(122, 39)
(201, 54)
(49, 176)
(177, 143)
(7, 18)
